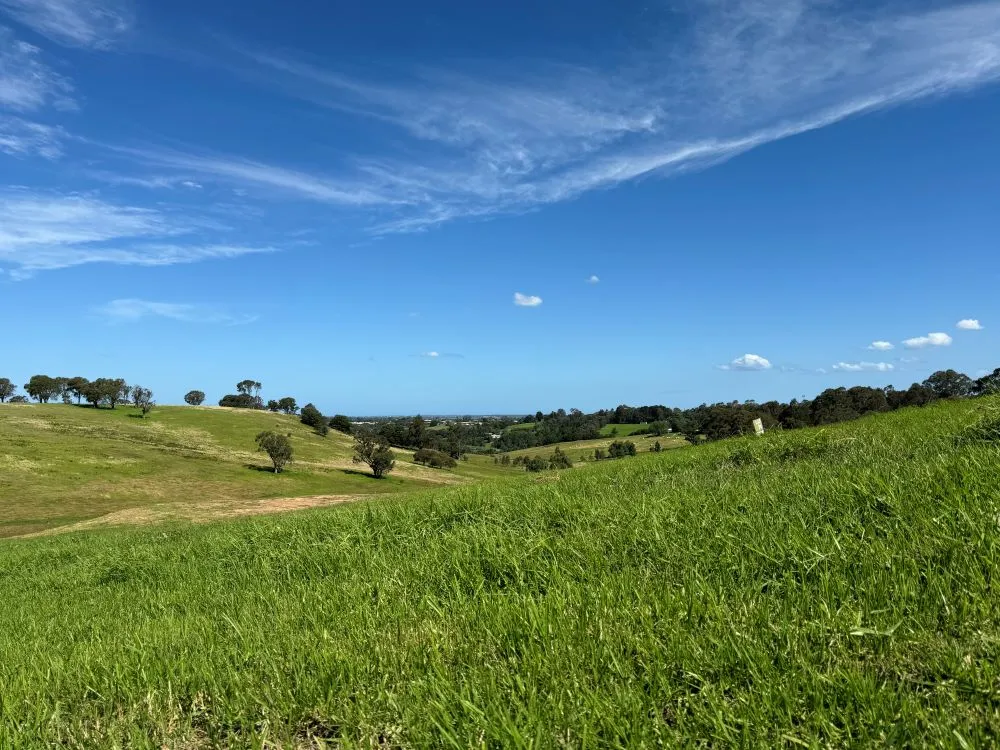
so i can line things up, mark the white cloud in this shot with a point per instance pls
(733, 77)
(748, 362)
(931, 339)
(75, 23)
(41, 232)
(526, 300)
(881, 346)
(26, 83)
(19, 137)
(432, 355)
(969, 325)
(594, 280)
(131, 310)
(864, 367)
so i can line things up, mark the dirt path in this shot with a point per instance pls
(201, 512)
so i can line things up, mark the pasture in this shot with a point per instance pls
(818, 588)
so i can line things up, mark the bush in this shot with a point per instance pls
(372, 449)
(241, 401)
(434, 459)
(560, 460)
(621, 449)
(535, 464)
(277, 447)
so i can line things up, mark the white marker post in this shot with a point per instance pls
(758, 426)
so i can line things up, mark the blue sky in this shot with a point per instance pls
(445, 207)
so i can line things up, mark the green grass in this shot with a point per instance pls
(822, 588)
(61, 465)
(583, 450)
(623, 430)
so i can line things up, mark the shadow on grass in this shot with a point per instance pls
(258, 467)
(356, 473)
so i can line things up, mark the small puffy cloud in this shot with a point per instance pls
(594, 279)
(526, 300)
(969, 324)
(440, 355)
(880, 346)
(748, 362)
(431, 355)
(931, 339)
(864, 367)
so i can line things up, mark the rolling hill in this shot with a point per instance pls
(818, 588)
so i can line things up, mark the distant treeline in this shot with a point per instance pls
(722, 420)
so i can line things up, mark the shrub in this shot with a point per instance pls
(312, 417)
(560, 460)
(277, 447)
(621, 449)
(373, 450)
(434, 459)
(536, 464)
(241, 401)
(341, 424)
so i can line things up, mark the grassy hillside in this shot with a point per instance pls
(62, 465)
(823, 588)
(623, 430)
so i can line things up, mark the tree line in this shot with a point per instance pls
(99, 393)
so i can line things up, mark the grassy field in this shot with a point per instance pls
(63, 465)
(820, 588)
(623, 430)
(583, 450)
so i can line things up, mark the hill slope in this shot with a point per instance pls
(62, 465)
(818, 588)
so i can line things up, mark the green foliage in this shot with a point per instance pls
(278, 448)
(372, 449)
(105, 392)
(241, 401)
(950, 384)
(195, 398)
(341, 424)
(434, 459)
(312, 417)
(287, 405)
(19, 399)
(7, 389)
(621, 449)
(988, 385)
(657, 448)
(142, 398)
(42, 388)
(559, 460)
(535, 464)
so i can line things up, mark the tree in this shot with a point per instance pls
(288, 405)
(341, 424)
(249, 388)
(373, 450)
(313, 417)
(7, 389)
(657, 448)
(277, 447)
(434, 459)
(560, 460)
(76, 387)
(104, 391)
(950, 384)
(272, 405)
(241, 401)
(143, 399)
(42, 388)
(831, 406)
(988, 385)
(621, 449)
(417, 431)
(19, 399)
(195, 398)
(118, 391)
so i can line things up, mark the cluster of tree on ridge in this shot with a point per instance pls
(102, 392)
(722, 420)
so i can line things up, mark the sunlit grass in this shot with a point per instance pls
(831, 588)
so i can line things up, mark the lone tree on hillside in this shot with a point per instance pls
(195, 398)
(277, 447)
(288, 405)
(143, 399)
(372, 449)
(7, 389)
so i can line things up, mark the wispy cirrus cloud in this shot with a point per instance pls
(748, 363)
(74, 23)
(736, 76)
(20, 137)
(864, 367)
(969, 324)
(133, 310)
(40, 232)
(440, 355)
(27, 83)
(931, 339)
(526, 300)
